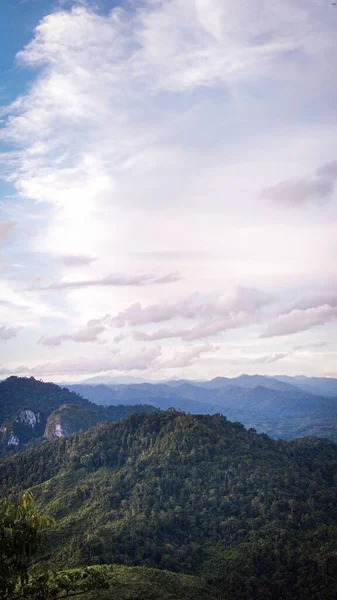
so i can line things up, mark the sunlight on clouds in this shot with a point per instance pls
(182, 140)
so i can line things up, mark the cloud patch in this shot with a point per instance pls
(5, 229)
(77, 260)
(310, 190)
(300, 320)
(200, 331)
(7, 333)
(239, 300)
(186, 358)
(140, 360)
(90, 333)
(111, 281)
(269, 358)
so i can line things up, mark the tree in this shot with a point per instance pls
(22, 533)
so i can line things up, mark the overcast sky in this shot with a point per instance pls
(169, 188)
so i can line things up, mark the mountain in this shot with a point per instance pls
(286, 413)
(321, 386)
(106, 380)
(18, 393)
(31, 410)
(249, 381)
(193, 494)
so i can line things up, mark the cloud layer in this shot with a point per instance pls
(151, 164)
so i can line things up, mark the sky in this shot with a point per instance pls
(168, 193)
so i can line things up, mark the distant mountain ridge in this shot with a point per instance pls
(279, 408)
(319, 386)
(322, 386)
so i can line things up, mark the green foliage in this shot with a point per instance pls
(141, 583)
(73, 418)
(190, 494)
(21, 536)
(18, 393)
(46, 584)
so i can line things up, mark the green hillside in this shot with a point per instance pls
(31, 410)
(191, 494)
(141, 583)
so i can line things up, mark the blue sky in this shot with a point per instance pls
(168, 188)
(17, 26)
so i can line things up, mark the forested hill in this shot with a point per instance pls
(195, 494)
(19, 392)
(31, 409)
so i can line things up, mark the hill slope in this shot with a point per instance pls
(192, 494)
(141, 583)
(31, 409)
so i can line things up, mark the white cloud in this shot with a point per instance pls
(119, 338)
(239, 300)
(110, 280)
(143, 143)
(186, 358)
(200, 331)
(6, 333)
(270, 358)
(300, 320)
(5, 229)
(298, 192)
(87, 334)
(312, 346)
(132, 361)
(22, 307)
(77, 260)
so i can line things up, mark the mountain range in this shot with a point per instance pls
(321, 386)
(31, 410)
(280, 408)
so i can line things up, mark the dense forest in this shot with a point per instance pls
(31, 410)
(198, 495)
